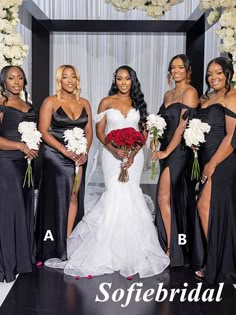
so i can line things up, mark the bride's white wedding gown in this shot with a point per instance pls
(117, 234)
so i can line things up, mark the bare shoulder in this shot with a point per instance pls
(190, 91)
(168, 95)
(230, 102)
(104, 104)
(50, 102)
(84, 102)
(190, 96)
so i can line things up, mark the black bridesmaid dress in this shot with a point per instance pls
(17, 247)
(221, 242)
(178, 163)
(55, 191)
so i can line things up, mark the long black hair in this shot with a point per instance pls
(228, 71)
(3, 88)
(136, 94)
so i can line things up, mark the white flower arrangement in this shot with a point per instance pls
(155, 125)
(153, 8)
(13, 51)
(32, 137)
(194, 136)
(224, 11)
(76, 143)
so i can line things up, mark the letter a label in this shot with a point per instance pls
(48, 235)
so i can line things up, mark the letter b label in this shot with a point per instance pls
(182, 239)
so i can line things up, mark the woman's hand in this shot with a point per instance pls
(159, 155)
(129, 162)
(29, 153)
(208, 171)
(120, 154)
(82, 158)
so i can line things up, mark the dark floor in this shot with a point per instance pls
(48, 291)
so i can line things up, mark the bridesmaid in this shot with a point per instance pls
(17, 250)
(217, 200)
(174, 157)
(59, 207)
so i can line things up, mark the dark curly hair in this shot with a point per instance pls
(228, 71)
(3, 76)
(136, 94)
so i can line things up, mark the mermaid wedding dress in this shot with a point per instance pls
(117, 234)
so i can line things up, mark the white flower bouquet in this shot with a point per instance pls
(32, 137)
(155, 125)
(194, 136)
(76, 143)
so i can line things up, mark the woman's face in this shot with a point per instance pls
(178, 71)
(69, 80)
(123, 81)
(14, 81)
(216, 77)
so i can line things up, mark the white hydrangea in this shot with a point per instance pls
(12, 48)
(29, 134)
(155, 123)
(76, 140)
(194, 133)
(153, 8)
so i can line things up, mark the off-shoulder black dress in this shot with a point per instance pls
(221, 242)
(17, 247)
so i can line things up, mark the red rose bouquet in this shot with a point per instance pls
(126, 139)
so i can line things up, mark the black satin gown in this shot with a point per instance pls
(221, 243)
(55, 191)
(17, 246)
(179, 164)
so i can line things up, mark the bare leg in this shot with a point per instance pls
(203, 210)
(73, 208)
(163, 199)
(204, 206)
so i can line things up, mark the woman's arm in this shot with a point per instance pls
(88, 130)
(100, 131)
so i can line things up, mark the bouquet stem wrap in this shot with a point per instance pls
(76, 179)
(195, 175)
(153, 163)
(28, 175)
(124, 175)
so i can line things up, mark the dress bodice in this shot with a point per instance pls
(116, 120)
(9, 127)
(171, 114)
(214, 115)
(61, 122)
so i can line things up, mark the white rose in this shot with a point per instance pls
(213, 16)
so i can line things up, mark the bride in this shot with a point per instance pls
(117, 234)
